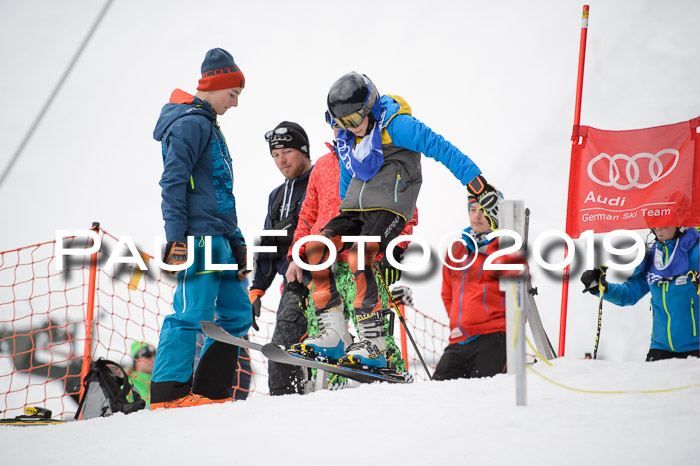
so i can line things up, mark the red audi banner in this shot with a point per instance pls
(634, 179)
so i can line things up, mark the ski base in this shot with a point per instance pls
(214, 330)
(24, 421)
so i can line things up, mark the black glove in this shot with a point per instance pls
(489, 199)
(593, 279)
(390, 274)
(175, 254)
(402, 295)
(240, 252)
(254, 295)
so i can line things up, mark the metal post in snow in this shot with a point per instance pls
(574, 141)
(520, 365)
(512, 217)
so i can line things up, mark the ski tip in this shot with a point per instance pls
(207, 326)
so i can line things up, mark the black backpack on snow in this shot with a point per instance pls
(105, 389)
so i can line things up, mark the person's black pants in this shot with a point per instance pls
(484, 356)
(658, 354)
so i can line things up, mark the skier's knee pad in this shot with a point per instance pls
(371, 251)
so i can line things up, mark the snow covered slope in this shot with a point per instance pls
(442, 423)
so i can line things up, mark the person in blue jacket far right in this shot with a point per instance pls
(670, 272)
(379, 146)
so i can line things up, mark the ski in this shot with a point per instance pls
(214, 330)
(277, 354)
(23, 421)
(359, 373)
(33, 416)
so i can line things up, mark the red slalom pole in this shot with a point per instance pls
(579, 80)
(89, 315)
(574, 141)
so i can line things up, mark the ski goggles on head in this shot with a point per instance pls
(282, 134)
(355, 119)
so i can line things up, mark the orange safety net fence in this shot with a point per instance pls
(43, 325)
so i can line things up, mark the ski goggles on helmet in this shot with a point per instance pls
(355, 119)
(330, 120)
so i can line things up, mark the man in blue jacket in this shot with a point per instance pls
(198, 202)
(670, 272)
(380, 145)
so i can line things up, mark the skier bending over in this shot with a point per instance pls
(322, 204)
(379, 144)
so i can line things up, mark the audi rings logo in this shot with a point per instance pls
(625, 172)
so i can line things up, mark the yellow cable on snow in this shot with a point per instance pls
(612, 392)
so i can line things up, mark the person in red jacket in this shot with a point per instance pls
(475, 305)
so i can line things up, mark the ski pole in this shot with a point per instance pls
(402, 320)
(601, 289)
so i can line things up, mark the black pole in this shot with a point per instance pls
(402, 320)
(48, 103)
(601, 290)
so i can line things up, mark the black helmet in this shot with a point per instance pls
(352, 93)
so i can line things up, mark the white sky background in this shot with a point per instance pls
(495, 78)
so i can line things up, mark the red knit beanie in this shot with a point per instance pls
(219, 71)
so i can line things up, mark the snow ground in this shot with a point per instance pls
(445, 423)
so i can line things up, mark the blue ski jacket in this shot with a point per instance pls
(674, 300)
(403, 130)
(197, 181)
